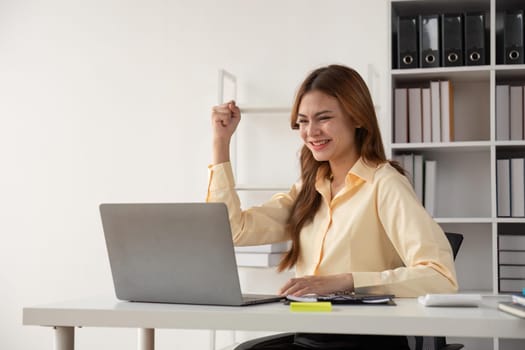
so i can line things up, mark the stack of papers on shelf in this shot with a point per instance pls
(267, 255)
(450, 300)
(515, 307)
(258, 259)
(265, 248)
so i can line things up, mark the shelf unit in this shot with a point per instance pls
(228, 91)
(251, 192)
(466, 168)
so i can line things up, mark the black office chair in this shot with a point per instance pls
(440, 343)
(455, 240)
(417, 343)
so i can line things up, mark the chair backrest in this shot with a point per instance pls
(440, 343)
(455, 240)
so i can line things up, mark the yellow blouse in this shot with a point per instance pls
(374, 228)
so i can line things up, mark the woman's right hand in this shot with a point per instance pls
(224, 119)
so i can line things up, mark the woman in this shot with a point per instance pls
(355, 222)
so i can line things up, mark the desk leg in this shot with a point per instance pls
(64, 338)
(213, 343)
(146, 339)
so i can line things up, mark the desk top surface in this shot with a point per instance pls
(408, 317)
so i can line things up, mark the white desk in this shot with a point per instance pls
(408, 317)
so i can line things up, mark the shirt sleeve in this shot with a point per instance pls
(419, 241)
(257, 225)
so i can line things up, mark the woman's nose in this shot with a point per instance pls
(313, 129)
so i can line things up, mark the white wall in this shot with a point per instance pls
(108, 100)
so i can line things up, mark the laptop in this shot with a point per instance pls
(174, 253)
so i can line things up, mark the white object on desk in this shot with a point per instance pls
(309, 298)
(450, 299)
(519, 299)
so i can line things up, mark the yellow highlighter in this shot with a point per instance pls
(316, 306)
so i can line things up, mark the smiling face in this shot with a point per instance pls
(325, 129)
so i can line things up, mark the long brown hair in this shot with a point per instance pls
(347, 86)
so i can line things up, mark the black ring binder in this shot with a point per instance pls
(513, 37)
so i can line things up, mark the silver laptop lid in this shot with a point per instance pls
(172, 252)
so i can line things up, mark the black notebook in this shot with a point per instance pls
(355, 298)
(379, 299)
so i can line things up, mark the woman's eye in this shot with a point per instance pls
(302, 121)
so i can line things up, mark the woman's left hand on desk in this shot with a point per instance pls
(318, 284)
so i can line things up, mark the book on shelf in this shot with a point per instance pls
(398, 158)
(447, 111)
(418, 176)
(510, 112)
(426, 115)
(408, 165)
(516, 112)
(280, 247)
(430, 186)
(503, 187)
(510, 187)
(258, 259)
(515, 309)
(502, 113)
(415, 129)
(517, 187)
(400, 115)
(435, 112)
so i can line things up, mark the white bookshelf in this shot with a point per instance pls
(251, 163)
(466, 175)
